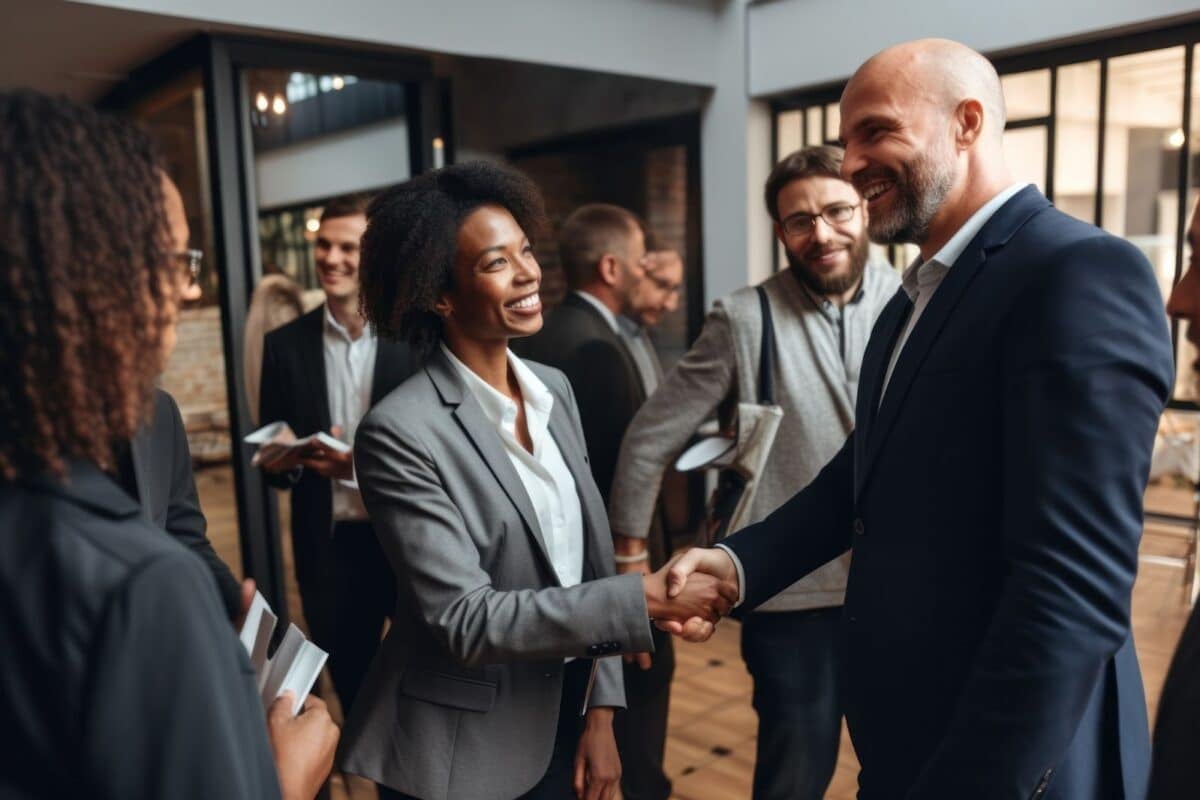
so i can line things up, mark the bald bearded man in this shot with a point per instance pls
(992, 489)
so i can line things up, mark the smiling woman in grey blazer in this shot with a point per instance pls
(492, 681)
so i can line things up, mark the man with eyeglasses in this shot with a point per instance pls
(823, 308)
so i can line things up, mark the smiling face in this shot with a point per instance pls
(829, 258)
(496, 280)
(337, 253)
(900, 154)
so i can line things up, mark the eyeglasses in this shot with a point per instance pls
(800, 226)
(191, 259)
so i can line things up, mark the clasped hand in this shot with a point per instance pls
(701, 587)
(689, 595)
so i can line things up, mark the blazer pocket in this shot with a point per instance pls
(453, 691)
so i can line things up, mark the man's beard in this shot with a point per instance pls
(835, 283)
(918, 198)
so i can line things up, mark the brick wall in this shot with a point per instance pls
(195, 377)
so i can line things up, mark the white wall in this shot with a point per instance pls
(668, 39)
(363, 158)
(798, 43)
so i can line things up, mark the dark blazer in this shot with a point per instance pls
(162, 466)
(1176, 774)
(121, 674)
(578, 340)
(462, 700)
(293, 390)
(994, 506)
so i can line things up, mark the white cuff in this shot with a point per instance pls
(737, 564)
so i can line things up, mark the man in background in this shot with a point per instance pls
(597, 337)
(322, 372)
(823, 306)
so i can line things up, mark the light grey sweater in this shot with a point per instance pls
(817, 363)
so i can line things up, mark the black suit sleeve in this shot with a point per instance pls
(170, 709)
(185, 520)
(810, 530)
(1087, 369)
(272, 403)
(607, 402)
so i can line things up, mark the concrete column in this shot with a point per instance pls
(735, 148)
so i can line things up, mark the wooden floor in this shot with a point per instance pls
(710, 748)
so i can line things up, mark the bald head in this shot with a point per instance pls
(923, 127)
(941, 73)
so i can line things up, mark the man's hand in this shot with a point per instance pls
(695, 608)
(597, 765)
(327, 462)
(685, 569)
(630, 547)
(288, 460)
(303, 745)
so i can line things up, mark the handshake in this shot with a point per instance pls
(690, 594)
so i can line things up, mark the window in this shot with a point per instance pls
(1109, 130)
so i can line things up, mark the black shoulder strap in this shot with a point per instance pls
(766, 356)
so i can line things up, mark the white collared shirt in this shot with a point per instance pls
(543, 473)
(349, 375)
(922, 279)
(604, 310)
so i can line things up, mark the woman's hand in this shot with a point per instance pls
(597, 765)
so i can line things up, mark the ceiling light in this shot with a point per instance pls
(338, 83)
(279, 105)
(1176, 138)
(313, 225)
(261, 102)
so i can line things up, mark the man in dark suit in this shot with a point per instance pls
(992, 490)
(1176, 773)
(157, 472)
(595, 337)
(322, 372)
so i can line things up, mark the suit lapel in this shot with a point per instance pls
(140, 453)
(565, 436)
(995, 233)
(486, 440)
(313, 356)
(874, 367)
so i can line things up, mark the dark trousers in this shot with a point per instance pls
(641, 729)
(793, 657)
(556, 782)
(362, 594)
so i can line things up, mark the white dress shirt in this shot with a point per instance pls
(920, 281)
(349, 375)
(543, 473)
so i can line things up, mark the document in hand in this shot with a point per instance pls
(277, 439)
(296, 664)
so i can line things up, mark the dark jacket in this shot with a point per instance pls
(162, 465)
(1176, 774)
(121, 675)
(293, 390)
(577, 339)
(994, 506)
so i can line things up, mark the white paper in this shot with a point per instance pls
(276, 439)
(294, 667)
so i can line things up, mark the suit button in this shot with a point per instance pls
(859, 528)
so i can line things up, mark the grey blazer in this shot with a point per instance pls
(462, 700)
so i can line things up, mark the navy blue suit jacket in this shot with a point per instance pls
(993, 503)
